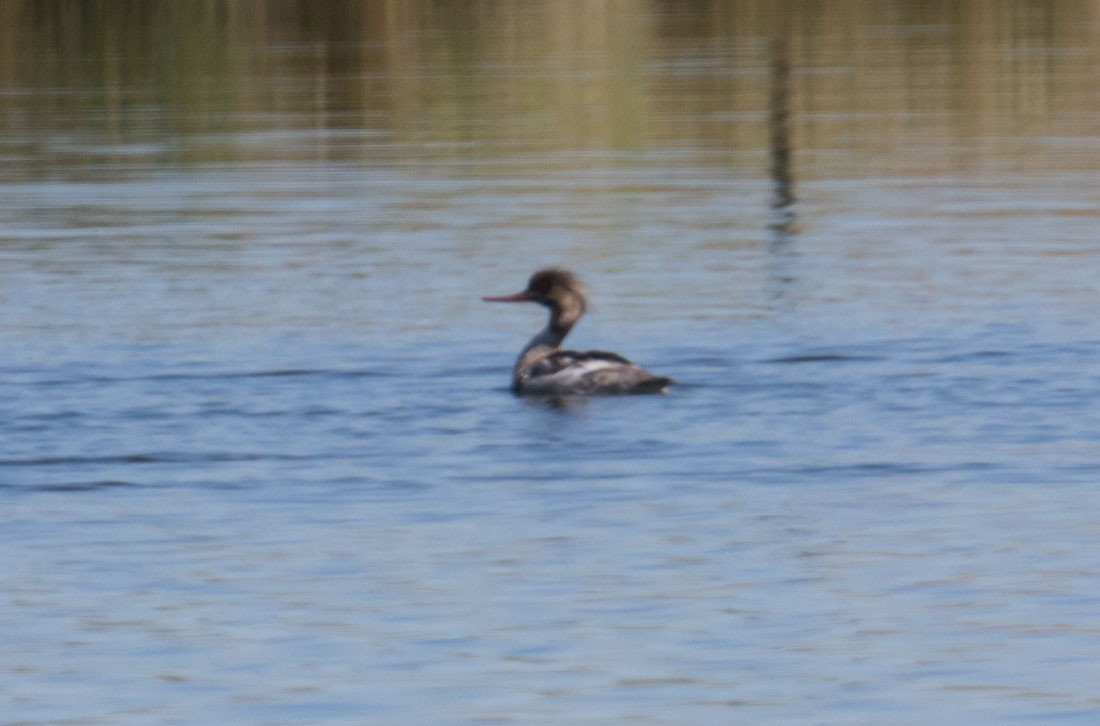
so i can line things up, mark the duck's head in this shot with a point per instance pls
(557, 289)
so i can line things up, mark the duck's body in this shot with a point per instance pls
(543, 368)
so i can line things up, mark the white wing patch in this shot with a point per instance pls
(582, 373)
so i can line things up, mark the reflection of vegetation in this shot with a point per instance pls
(779, 120)
(922, 86)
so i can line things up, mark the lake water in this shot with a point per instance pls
(259, 463)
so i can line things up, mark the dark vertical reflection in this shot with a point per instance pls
(782, 222)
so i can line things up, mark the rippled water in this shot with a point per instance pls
(259, 462)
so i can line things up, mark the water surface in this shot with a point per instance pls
(258, 458)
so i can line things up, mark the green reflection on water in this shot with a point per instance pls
(873, 88)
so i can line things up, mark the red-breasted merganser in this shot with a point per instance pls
(543, 368)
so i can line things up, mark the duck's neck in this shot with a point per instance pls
(548, 340)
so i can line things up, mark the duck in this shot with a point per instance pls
(544, 369)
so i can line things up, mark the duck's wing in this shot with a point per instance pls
(561, 360)
(589, 372)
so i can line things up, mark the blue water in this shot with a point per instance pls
(259, 463)
(279, 478)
